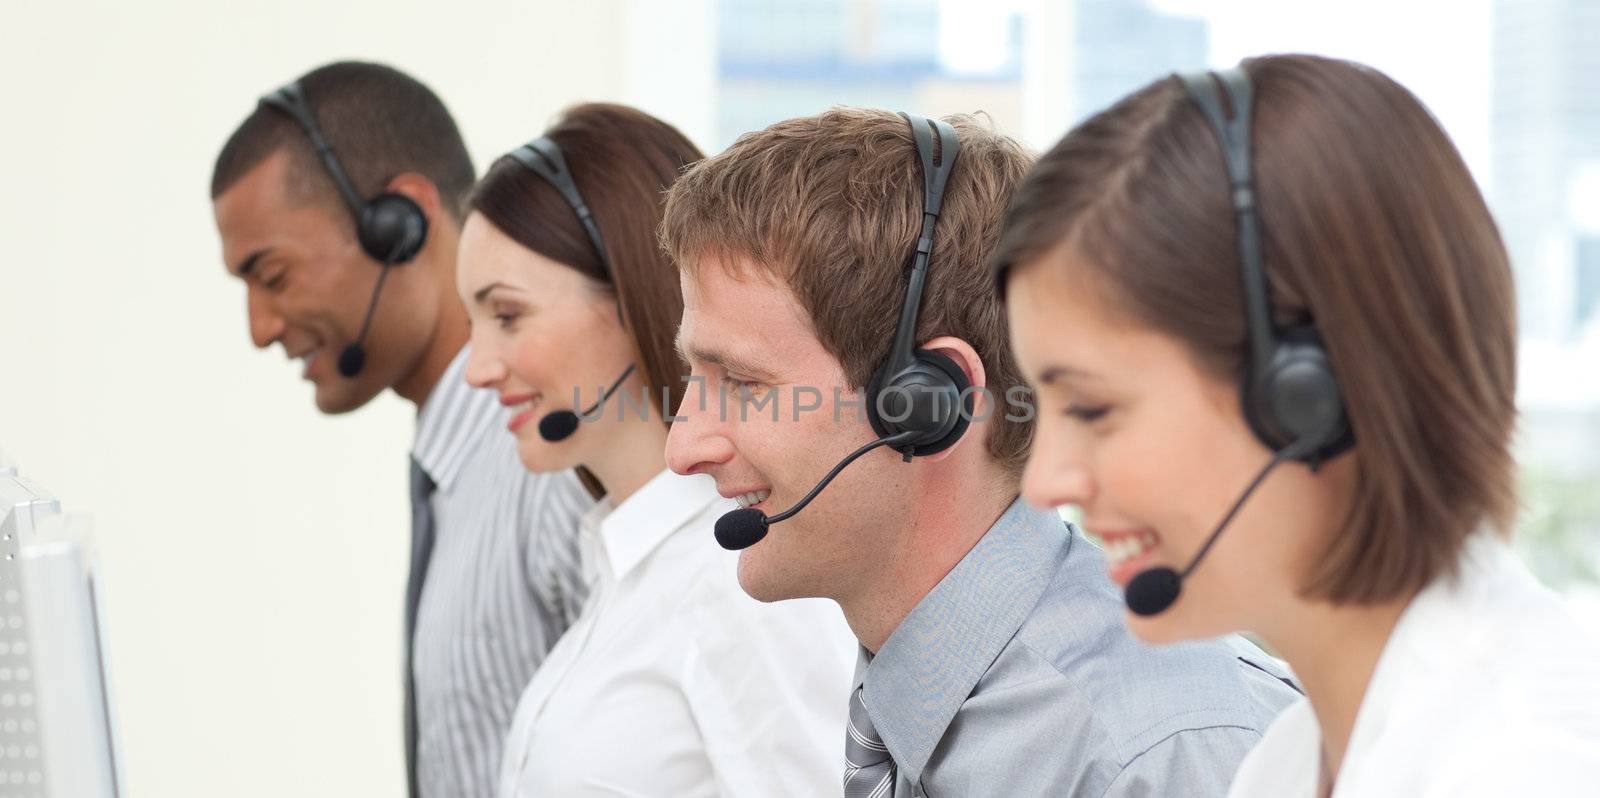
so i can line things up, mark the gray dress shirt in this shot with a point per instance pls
(1015, 676)
(502, 584)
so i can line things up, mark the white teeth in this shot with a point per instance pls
(753, 497)
(1122, 549)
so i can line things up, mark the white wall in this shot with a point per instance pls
(255, 551)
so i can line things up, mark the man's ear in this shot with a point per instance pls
(420, 190)
(966, 358)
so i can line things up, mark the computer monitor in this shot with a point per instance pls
(57, 722)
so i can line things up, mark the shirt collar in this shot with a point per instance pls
(1442, 626)
(454, 416)
(932, 661)
(627, 534)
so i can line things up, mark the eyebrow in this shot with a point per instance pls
(479, 295)
(723, 360)
(1055, 374)
(250, 261)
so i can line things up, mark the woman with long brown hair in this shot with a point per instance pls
(1270, 323)
(672, 682)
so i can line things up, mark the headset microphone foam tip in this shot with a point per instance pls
(390, 227)
(351, 360)
(1288, 392)
(741, 528)
(558, 426)
(1153, 591)
(926, 406)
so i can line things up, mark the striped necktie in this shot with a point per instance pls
(868, 771)
(422, 487)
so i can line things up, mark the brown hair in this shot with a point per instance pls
(622, 160)
(1372, 228)
(831, 205)
(380, 122)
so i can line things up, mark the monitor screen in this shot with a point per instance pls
(57, 722)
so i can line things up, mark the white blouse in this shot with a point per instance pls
(674, 682)
(1486, 687)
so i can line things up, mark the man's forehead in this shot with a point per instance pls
(267, 183)
(742, 314)
(724, 272)
(247, 211)
(736, 298)
(262, 211)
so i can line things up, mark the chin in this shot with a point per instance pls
(756, 576)
(334, 400)
(541, 457)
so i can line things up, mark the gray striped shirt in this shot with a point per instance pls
(501, 587)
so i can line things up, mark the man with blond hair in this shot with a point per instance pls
(993, 656)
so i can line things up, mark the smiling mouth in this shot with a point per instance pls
(1128, 553)
(752, 498)
(522, 412)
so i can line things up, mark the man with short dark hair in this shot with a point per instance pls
(994, 660)
(338, 201)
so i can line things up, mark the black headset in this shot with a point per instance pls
(925, 404)
(919, 390)
(390, 226)
(1289, 393)
(543, 157)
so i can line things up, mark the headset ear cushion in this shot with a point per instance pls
(392, 228)
(940, 406)
(960, 409)
(1298, 397)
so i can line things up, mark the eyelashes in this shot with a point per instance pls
(506, 315)
(741, 387)
(1087, 414)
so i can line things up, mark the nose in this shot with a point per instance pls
(266, 326)
(698, 439)
(485, 368)
(1056, 476)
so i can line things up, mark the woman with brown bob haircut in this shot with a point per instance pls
(672, 681)
(1360, 393)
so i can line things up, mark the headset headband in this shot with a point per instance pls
(543, 157)
(291, 100)
(1233, 132)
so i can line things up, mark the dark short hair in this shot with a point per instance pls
(380, 122)
(1372, 228)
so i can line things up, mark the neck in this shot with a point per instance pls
(1334, 651)
(945, 517)
(632, 452)
(453, 329)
